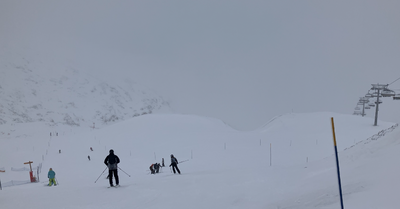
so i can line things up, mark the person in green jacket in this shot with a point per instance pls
(51, 175)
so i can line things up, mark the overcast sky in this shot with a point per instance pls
(240, 61)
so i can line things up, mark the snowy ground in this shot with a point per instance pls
(288, 163)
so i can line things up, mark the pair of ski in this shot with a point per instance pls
(116, 186)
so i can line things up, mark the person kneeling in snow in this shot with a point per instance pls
(156, 167)
(152, 169)
(51, 175)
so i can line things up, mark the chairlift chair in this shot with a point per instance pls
(375, 94)
(387, 93)
(369, 95)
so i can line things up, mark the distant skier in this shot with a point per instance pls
(163, 165)
(88, 157)
(91, 149)
(156, 167)
(112, 163)
(51, 175)
(174, 164)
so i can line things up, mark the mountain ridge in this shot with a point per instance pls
(33, 91)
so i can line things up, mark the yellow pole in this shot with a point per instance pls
(333, 132)
(337, 164)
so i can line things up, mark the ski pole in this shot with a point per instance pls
(183, 161)
(170, 169)
(57, 181)
(124, 172)
(100, 175)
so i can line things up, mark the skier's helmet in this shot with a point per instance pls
(172, 155)
(111, 151)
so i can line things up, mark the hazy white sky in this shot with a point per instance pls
(241, 61)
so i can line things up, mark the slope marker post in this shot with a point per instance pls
(270, 154)
(337, 163)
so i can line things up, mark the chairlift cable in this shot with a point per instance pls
(395, 81)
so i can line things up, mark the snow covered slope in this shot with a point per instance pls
(222, 168)
(301, 132)
(54, 93)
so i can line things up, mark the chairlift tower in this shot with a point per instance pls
(378, 88)
(363, 101)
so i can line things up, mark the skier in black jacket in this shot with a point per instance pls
(111, 161)
(174, 164)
